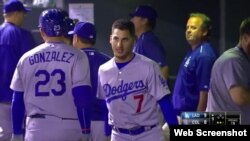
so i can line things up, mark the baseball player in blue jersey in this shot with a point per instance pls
(14, 41)
(51, 86)
(84, 39)
(192, 83)
(148, 44)
(133, 86)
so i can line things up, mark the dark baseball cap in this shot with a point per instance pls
(145, 11)
(14, 5)
(84, 30)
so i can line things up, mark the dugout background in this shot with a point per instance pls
(226, 16)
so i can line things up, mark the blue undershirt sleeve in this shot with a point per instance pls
(107, 127)
(84, 119)
(17, 113)
(167, 110)
(82, 101)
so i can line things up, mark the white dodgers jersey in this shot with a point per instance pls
(132, 92)
(47, 74)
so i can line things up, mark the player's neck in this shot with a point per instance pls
(54, 39)
(83, 45)
(11, 21)
(125, 58)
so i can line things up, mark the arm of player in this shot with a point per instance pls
(168, 110)
(203, 73)
(82, 101)
(240, 95)
(17, 113)
(202, 101)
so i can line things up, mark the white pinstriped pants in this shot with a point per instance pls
(52, 129)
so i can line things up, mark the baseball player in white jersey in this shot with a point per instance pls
(51, 84)
(132, 86)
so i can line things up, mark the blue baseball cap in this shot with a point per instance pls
(14, 5)
(145, 11)
(84, 30)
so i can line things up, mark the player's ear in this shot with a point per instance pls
(40, 30)
(144, 21)
(76, 38)
(110, 39)
(42, 33)
(205, 32)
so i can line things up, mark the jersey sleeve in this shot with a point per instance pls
(81, 71)
(157, 85)
(235, 74)
(100, 94)
(16, 82)
(203, 71)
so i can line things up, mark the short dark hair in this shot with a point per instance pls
(245, 27)
(124, 24)
(206, 21)
(87, 41)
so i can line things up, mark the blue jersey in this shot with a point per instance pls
(96, 59)
(193, 77)
(14, 42)
(150, 46)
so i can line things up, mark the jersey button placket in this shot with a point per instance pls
(119, 76)
(120, 79)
